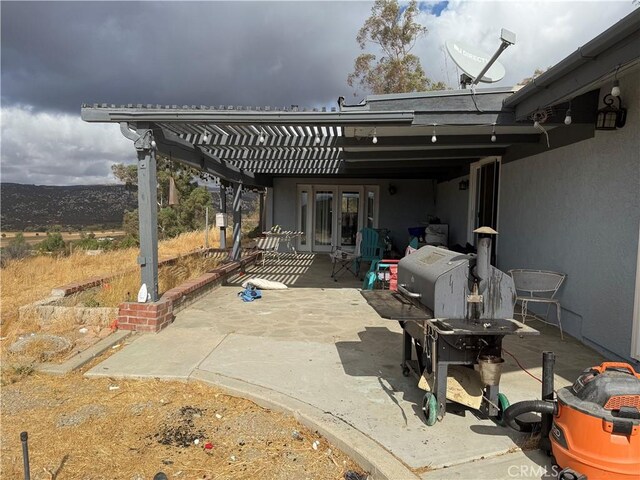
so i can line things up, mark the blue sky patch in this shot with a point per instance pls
(435, 8)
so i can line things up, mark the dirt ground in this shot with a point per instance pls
(83, 428)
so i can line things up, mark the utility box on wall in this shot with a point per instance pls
(221, 220)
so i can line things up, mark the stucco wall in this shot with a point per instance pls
(452, 207)
(576, 210)
(412, 203)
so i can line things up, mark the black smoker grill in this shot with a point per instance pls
(455, 309)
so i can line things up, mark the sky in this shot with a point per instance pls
(57, 55)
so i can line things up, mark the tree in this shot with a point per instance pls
(187, 215)
(394, 30)
(537, 72)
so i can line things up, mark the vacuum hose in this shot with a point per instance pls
(512, 413)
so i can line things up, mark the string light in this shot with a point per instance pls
(375, 138)
(567, 118)
(434, 139)
(615, 91)
(493, 134)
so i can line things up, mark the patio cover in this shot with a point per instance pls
(254, 145)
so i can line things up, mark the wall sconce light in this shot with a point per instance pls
(392, 189)
(463, 185)
(611, 117)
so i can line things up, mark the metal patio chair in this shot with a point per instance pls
(539, 286)
(269, 246)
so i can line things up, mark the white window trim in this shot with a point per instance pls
(472, 210)
(337, 190)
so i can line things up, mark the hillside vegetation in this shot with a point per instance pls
(37, 207)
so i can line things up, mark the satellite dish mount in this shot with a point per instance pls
(475, 65)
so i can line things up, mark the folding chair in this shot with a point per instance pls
(269, 246)
(345, 260)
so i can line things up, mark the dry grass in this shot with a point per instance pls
(88, 428)
(125, 287)
(30, 279)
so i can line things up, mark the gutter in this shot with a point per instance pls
(103, 114)
(587, 53)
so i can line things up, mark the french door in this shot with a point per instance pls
(331, 216)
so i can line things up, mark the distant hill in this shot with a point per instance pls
(37, 207)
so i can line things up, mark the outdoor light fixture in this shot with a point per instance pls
(205, 137)
(611, 117)
(317, 140)
(567, 118)
(261, 137)
(615, 91)
(493, 135)
(375, 138)
(463, 185)
(434, 139)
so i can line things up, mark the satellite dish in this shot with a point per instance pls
(472, 61)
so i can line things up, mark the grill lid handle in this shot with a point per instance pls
(403, 290)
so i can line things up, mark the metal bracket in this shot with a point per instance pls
(142, 139)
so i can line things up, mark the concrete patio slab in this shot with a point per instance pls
(170, 354)
(531, 464)
(360, 382)
(327, 349)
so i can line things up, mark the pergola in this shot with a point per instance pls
(431, 135)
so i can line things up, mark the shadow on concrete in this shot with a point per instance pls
(301, 270)
(378, 353)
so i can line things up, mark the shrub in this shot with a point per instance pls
(128, 242)
(87, 242)
(17, 248)
(53, 243)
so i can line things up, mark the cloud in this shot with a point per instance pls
(546, 33)
(57, 55)
(212, 53)
(59, 148)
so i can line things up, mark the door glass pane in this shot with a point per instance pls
(324, 211)
(349, 222)
(371, 201)
(304, 200)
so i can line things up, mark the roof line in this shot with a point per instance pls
(586, 53)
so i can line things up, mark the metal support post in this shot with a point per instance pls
(223, 210)
(237, 221)
(261, 222)
(548, 361)
(147, 205)
(206, 227)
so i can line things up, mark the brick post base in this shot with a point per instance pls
(145, 317)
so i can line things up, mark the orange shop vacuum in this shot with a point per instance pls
(592, 428)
